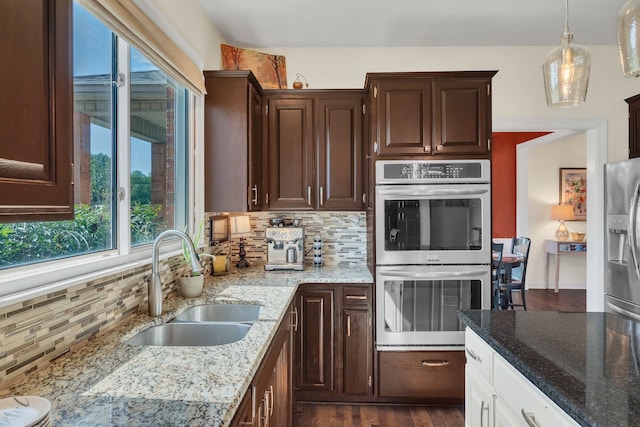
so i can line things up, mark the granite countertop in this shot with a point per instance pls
(108, 383)
(587, 363)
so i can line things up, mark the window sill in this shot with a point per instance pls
(23, 283)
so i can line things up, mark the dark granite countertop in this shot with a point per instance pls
(587, 363)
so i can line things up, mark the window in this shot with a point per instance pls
(130, 156)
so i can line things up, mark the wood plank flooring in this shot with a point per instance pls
(574, 300)
(342, 415)
(332, 415)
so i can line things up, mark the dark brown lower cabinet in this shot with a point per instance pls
(333, 355)
(268, 402)
(433, 376)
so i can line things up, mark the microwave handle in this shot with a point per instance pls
(432, 274)
(430, 192)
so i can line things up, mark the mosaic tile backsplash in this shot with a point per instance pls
(36, 331)
(343, 233)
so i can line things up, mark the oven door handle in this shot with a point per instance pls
(433, 274)
(430, 192)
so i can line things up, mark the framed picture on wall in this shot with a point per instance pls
(573, 190)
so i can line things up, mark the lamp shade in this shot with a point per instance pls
(629, 38)
(240, 226)
(562, 213)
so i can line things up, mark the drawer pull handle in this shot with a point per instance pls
(473, 355)
(358, 297)
(482, 408)
(529, 418)
(294, 314)
(435, 363)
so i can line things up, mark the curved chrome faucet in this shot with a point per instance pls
(155, 284)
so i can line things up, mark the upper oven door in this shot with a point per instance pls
(433, 224)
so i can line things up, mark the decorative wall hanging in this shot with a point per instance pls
(573, 190)
(270, 70)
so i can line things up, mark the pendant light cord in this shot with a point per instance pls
(566, 17)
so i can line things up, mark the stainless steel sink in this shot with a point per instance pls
(241, 313)
(191, 334)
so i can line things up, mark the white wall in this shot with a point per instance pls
(544, 163)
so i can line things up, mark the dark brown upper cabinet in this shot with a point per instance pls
(634, 126)
(36, 139)
(430, 113)
(233, 160)
(314, 141)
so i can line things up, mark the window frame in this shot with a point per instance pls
(29, 281)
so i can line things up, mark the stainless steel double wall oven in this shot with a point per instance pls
(433, 250)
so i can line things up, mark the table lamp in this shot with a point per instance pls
(241, 227)
(562, 213)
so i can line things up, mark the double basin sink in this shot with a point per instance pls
(202, 325)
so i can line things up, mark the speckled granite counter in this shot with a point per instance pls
(587, 363)
(108, 383)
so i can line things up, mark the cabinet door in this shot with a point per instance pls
(290, 139)
(403, 117)
(634, 126)
(462, 116)
(357, 377)
(255, 149)
(281, 389)
(478, 400)
(36, 151)
(232, 141)
(314, 348)
(504, 416)
(339, 124)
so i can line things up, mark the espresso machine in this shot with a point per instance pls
(285, 245)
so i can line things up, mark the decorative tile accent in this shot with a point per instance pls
(343, 233)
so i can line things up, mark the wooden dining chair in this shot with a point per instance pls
(520, 246)
(496, 267)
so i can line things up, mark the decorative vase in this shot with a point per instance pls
(191, 287)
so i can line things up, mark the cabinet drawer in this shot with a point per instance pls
(479, 354)
(424, 374)
(356, 296)
(524, 398)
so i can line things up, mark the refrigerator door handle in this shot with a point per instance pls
(633, 238)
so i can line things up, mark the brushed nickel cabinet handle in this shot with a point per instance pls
(358, 297)
(473, 355)
(255, 195)
(529, 418)
(348, 325)
(271, 399)
(482, 408)
(321, 196)
(309, 195)
(435, 363)
(294, 314)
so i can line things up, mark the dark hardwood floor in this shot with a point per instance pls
(332, 415)
(341, 415)
(546, 299)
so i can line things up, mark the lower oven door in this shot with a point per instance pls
(416, 306)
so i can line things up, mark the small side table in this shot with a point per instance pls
(561, 247)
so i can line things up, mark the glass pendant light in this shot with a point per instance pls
(566, 71)
(629, 38)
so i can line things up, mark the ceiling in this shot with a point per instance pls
(384, 23)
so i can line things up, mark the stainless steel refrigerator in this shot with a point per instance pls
(622, 250)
